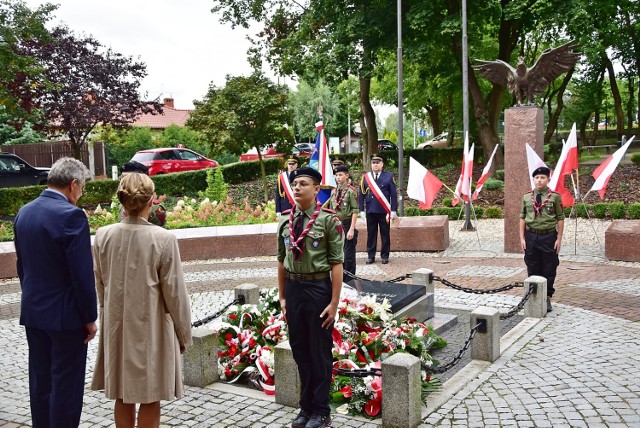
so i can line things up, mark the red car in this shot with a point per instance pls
(252, 154)
(167, 160)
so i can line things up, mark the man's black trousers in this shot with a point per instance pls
(349, 250)
(375, 222)
(311, 344)
(541, 258)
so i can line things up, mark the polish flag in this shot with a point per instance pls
(557, 178)
(465, 175)
(423, 185)
(533, 162)
(485, 174)
(603, 173)
(571, 146)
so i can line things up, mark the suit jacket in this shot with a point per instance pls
(388, 188)
(282, 202)
(53, 249)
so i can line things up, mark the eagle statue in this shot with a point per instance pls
(526, 82)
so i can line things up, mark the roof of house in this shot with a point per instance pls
(169, 116)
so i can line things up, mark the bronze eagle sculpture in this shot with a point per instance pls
(526, 82)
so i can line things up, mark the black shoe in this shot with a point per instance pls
(369, 261)
(385, 261)
(317, 421)
(301, 420)
(549, 308)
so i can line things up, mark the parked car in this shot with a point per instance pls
(384, 144)
(16, 172)
(167, 160)
(303, 148)
(438, 142)
(267, 152)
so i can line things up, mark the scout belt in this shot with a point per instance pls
(306, 276)
(540, 232)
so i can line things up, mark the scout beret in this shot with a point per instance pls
(305, 171)
(541, 170)
(135, 166)
(341, 168)
(376, 157)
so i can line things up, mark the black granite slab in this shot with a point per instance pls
(398, 295)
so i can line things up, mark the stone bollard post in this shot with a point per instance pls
(288, 379)
(251, 293)
(200, 362)
(536, 305)
(486, 343)
(423, 308)
(423, 277)
(401, 404)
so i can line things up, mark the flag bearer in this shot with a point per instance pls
(310, 256)
(344, 201)
(541, 227)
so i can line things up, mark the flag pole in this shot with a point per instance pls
(576, 194)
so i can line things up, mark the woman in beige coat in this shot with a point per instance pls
(145, 318)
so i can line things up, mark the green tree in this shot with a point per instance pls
(189, 138)
(304, 107)
(248, 112)
(16, 133)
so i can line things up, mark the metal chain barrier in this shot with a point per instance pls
(359, 372)
(532, 289)
(476, 291)
(456, 359)
(398, 279)
(239, 301)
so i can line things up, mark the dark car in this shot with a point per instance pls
(16, 172)
(167, 160)
(384, 144)
(303, 148)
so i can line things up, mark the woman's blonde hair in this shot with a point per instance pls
(134, 192)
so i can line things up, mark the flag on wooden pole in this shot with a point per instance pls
(603, 173)
(423, 185)
(485, 174)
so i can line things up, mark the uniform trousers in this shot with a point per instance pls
(311, 344)
(349, 250)
(57, 362)
(541, 258)
(375, 222)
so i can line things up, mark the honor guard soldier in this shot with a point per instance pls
(344, 201)
(310, 256)
(337, 161)
(158, 214)
(541, 227)
(284, 195)
(379, 199)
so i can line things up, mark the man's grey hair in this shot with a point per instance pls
(65, 170)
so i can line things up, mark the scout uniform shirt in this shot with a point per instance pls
(322, 245)
(346, 204)
(550, 210)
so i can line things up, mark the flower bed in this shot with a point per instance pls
(363, 336)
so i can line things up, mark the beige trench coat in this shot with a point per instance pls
(144, 312)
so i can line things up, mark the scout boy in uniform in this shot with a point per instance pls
(344, 201)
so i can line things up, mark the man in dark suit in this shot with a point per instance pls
(378, 197)
(59, 306)
(284, 194)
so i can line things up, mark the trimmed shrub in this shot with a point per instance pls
(633, 210)
(600, 210)
(13, 198)
(493, 184)
(617, 210)
(582, 209)
(446, 202)
(494, 212)
(635, 158)
(479, 211)
(415, 211)
(567, 212)
(500, 174)
(451, 212)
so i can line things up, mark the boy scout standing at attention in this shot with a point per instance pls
(344, 202)
(310, 256)
(541, 227)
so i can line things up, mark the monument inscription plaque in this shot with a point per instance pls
(398, 295)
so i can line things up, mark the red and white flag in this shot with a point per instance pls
(533, 162)
(423, 185)
(463, 187)
(603, 173)
(485, 174)
(567, 163)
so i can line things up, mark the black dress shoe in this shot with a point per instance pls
(317, 421)
(369, 261)
(301, 420)
(385, 261)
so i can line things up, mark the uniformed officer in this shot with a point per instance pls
(158, 214)
(283, 187)
(378, 197)
(310, 256)
(337, 161)
(344, 201)
(541, 227)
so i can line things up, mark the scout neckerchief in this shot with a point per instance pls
(537, 207)
(342, 195)
(375, 190)
(286, 187)
(297, 242)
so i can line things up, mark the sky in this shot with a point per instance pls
(182, 43)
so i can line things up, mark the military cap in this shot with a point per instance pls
(541, 170)
(341, 168)
(135, 166)
(292, 158)
(376, 158)
(337, 161)
(305, 171)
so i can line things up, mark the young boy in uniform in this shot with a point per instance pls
(541, 227)
(344, 201)
(310, 256)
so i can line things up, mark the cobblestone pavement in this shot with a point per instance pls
(577, 367)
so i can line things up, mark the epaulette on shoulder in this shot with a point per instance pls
(353, 188)
(329, 210)
(287, 211)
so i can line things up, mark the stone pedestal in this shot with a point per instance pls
(288, 380)
(486, 343)
(522, 125)
(200, 366)
(621, 240)
(536, 305)
(401, 405)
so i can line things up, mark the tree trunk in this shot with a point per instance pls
(583, 129)
(630, 102)
(555, 115)
(369, 117)
(596, 113)
(434, 117)
(263, 173)
(617, 99)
